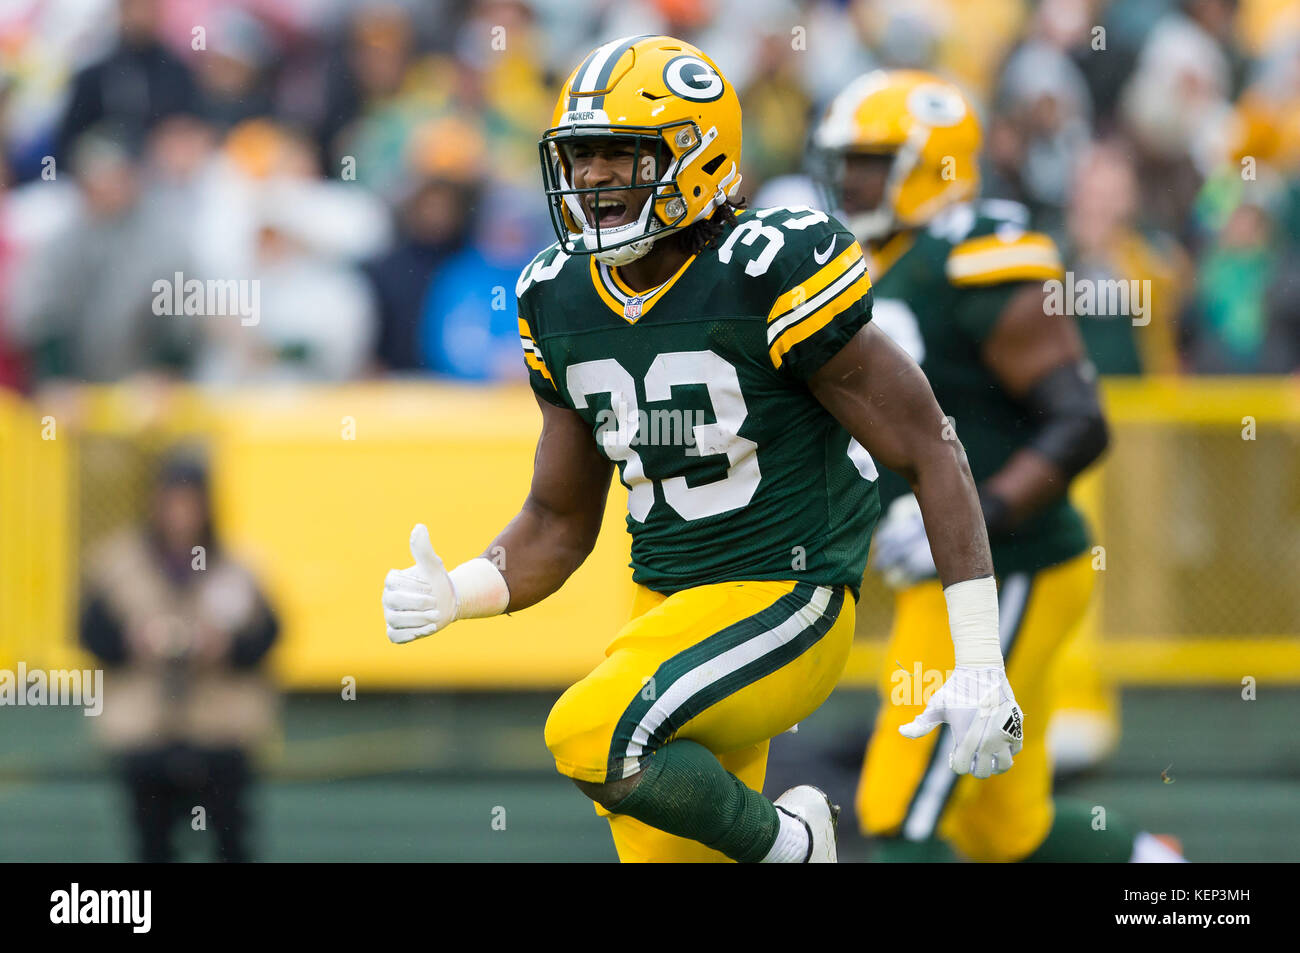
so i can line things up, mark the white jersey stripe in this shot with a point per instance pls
(809, 307)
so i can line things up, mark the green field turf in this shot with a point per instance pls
(421, 777)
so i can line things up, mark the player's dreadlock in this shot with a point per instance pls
(706, 233)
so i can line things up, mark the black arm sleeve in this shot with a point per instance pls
(251, 644)
(1072, 430)
(101, 633)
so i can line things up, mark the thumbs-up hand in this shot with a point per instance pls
(419, 601)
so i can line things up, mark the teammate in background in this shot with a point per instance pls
(1083, 723)
(723, 360)
(959, 284)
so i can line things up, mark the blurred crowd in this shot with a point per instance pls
(372, 166)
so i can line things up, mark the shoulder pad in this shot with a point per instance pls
(1004, 253)
(545, 265)
(774, 241)
(1004, 210)
(792, 217)
(954, 223)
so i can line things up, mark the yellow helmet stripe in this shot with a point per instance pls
(806, 329)
(807, 289)
(990, 260)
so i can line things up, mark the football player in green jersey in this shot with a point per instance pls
(960, 284)
(723, 360)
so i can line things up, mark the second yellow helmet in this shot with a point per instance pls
(930, 128)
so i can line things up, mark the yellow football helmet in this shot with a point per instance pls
(672, 100)
(930, 128)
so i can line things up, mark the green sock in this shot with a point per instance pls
(685, 791)
(1074, 836)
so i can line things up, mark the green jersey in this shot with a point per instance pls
(939, 292)
(697, 391)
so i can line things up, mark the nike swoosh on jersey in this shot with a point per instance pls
(822, 257)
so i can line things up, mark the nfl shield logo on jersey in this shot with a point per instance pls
(632, 309)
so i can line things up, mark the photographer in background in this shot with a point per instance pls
(183, 632)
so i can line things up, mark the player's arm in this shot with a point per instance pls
(881, 397)
(1040, 361)
(531, 558)
(557, 527)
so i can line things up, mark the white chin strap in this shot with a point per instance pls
(634, 250)
(871, 226)
(625, 254)
(593, 238)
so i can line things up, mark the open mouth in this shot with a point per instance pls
(606, 212)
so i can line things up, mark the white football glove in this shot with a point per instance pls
(901, 549)
(421, 600)
(987, 724)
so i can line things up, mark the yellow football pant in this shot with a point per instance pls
(729, 666)
(1083, 696)
(907, 788)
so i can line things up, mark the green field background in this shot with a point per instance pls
(421, 777)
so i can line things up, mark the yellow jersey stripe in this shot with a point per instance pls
(533, 353)
(621, 285)
(882, 259)
(810, 326)
(615, 292)
(614, 305)
(534, 360)
(989, 260)
(808, 288)
(991, 242)
(662, 290)
(776, 328)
